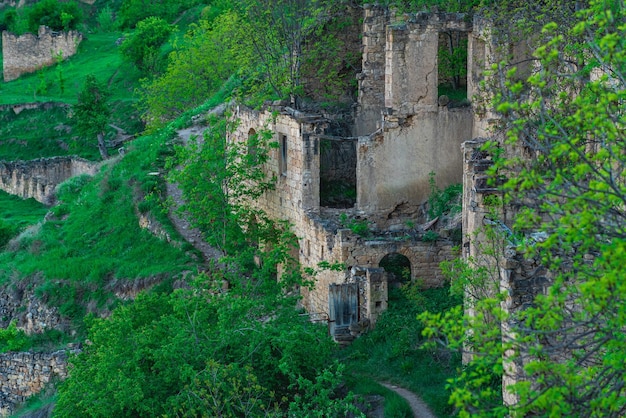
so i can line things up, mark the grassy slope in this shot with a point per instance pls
(20, 212)
(97, 54)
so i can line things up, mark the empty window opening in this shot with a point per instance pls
(283, 155)
(452, 68)
(253, 146)
(338, 160)
(398, 268)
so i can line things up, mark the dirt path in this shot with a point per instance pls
(182, 225)
(419, 408)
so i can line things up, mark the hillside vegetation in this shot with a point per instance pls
(165, 332)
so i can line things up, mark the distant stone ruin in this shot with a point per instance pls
(28, 53)
(39, 178)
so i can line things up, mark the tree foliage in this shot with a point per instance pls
(92, 113)
(221, 178)
(58, 16)
(199, 352)
(133, 11)
(210, 53)
(564, 159)
(142, 48)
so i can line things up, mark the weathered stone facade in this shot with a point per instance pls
(28, 53)
(404, 131)
(39, 178)
(25, 374)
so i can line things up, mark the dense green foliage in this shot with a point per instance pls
(132, 12)
(197, 352)
(92, 113)
(142, 46)
(200, 64)
(567, 115)
(56, 15)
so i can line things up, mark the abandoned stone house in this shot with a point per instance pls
(403, 129)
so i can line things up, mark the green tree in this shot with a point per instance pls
(279, 29)
(200, 352)
(54, 14)
(567, 117)
(210, 53)
(133, 11)
(142, 48)
(92, 113)
(221, 178)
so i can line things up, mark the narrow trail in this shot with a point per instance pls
(419, 408)
(182, 225)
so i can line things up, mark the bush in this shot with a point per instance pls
(57, 16)
(142, 47)
(6, 233)
(133, 11)
(105, 19)
(445, 201)
(13, 339)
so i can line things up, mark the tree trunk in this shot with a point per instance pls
(102, 146)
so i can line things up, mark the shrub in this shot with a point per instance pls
(13, 339)
(133, 11)
(142, 47)
(6, 232)
(443, 201)
(57, 16)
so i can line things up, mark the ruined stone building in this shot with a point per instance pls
(28, 53)
(377, 176)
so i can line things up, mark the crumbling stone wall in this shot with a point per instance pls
(416, 132)
(39, 178)
(31, 315)
(25, 374)
(321, 236)
(28, 53)
(371, 98)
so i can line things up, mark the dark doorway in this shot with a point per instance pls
(398, 268)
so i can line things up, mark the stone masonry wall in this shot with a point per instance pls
(39, 178)
(25, 374)
(28, 53)
(29, 312)
(416, 133)
(371, 98)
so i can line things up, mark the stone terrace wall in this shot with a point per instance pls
(39, 178)
(29, 312)
(28, 53)
(25, 374)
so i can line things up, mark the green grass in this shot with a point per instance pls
(392, 352)
(19, 212)
(95, 240)
(97, 54)
(395, 406)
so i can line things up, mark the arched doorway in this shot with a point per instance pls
(398, 268)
